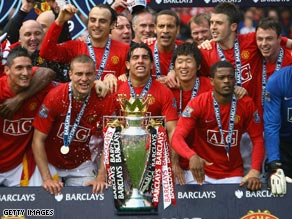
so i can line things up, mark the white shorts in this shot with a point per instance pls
(79, 176)
(11, 177)
(208, 180)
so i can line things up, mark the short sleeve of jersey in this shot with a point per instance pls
(169, 108)
(254, 124)
(186, 123)
(47, 112)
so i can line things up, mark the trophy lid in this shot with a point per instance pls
(135, 106)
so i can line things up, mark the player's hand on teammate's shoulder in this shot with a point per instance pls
(101, 88)
(206, 45)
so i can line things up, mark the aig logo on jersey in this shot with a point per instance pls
(81, 135)
(246, 75)
(214, 138)
(17, 127)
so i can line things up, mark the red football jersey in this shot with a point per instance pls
(16, 132)
(66, 51)
(205, 85)
(163, 102)
(51, 118)
(164, 60)
(198, 119)
(270, 68)
(251, 63)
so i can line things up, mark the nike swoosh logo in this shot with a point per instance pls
(208, 121)
(287, 98)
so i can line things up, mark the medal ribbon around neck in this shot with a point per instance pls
(230, 125)
(264, 72)
(157, 61)
(145, 90)
(237, 60)
(69, 134)
(194, 93)
(104, 56)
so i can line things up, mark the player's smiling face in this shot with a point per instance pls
(200, 32)
(268, 42)
(122, 31)
(99, 24)
(82, 77)
(31, 36)
(144, 27)
(186, 67)
(19, 74)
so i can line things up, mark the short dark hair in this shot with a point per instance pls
(15, 53)
(114, 15)
(170, 13)
(82, 59)
(220, 64)
(270, 23)
(188, 49)
(230, 10)
(139, 45)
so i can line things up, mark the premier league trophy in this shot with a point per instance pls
(137, 158)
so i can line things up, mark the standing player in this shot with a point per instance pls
(69, 116)
(166, 28)
(214, 155)
(239, 49)
(274, 56)
(278, 129)
(187, 62)
(139, 65)
(108, 55)
(16, 160)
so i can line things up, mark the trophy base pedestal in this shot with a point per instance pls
(136, 205)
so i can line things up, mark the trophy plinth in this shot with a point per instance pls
(137, 202)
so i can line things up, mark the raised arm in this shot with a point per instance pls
(50, 49)
(13, 25)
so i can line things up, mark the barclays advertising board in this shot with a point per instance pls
(192, 202)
